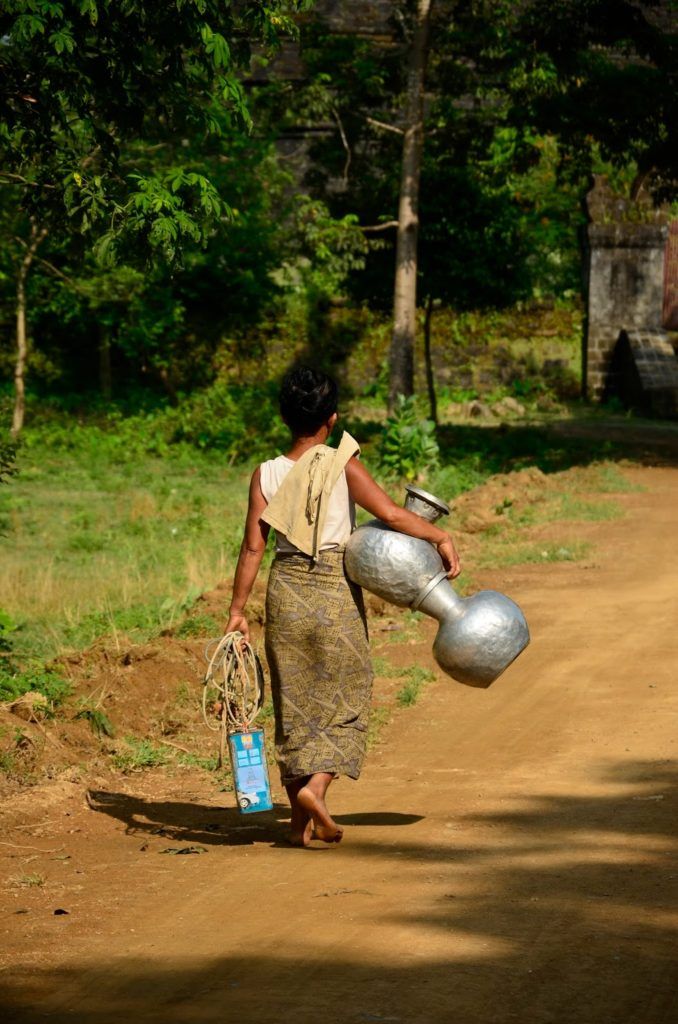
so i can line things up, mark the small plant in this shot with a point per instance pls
(140, 754)
(99, 722)
(383, 667)
(415, 679)
(32, 881)
(7, 627)
(379, 717)
(47, 682)
(198, 626)
(408, 446)
(208, 764)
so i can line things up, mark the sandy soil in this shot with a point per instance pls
(509, 854)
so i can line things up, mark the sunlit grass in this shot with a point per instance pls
(518, 552)
(92, 549)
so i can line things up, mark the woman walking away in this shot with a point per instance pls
(316, 631)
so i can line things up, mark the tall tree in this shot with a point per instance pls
(401, 361)
(81, 80)
(30, 248)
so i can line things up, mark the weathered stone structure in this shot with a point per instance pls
(627, 244)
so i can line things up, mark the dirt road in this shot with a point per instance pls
(510, 854)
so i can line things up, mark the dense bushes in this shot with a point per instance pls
(241, 421)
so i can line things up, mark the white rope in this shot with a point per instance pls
(234, 681)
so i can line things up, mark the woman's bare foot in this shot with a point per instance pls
(301, 837)
(324, 825)
(301, 825)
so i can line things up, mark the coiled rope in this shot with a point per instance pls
(233, 685)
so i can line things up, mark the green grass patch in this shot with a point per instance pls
(198, 626)
(207, 764)
(582, 510)
(379, 719)
(95, 547)
(611, 480)
(531, 553)
(139, 755)
(415, 677)
(50, 684)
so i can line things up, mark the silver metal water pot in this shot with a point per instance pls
(478, 636)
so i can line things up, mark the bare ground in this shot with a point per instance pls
(510, 854)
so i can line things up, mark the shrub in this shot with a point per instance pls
(7, 460)
(408, 446)
(45, 681)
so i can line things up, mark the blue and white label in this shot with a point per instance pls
(250, 773)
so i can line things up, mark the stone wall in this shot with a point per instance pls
(626, 280)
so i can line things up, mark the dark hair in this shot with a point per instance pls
(307, 399)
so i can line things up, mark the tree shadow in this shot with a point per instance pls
(557, 910)
(559, 445)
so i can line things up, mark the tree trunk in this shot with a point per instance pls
(36, 238)
(430, 383)
(401, 376)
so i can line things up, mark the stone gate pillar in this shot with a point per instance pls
(625, 279)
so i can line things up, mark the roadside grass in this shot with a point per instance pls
(139, 754)
(414, 675)
(380, 716)
(501, 553)
(95, 548)
(414, 681)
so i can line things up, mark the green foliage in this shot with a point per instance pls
(7, 460)
(240, 421)
(326, 250)
(140, 754)
(99, 722)
(207, 764)
(49, 683)
(600, 77)
(7, 627)
(33, 880)
(198, 626)
(408, 446)
(97, 75)
(581, 510)
(415, 679)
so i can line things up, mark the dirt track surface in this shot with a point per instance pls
(509, 854)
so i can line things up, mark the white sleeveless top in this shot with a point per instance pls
(340, 521)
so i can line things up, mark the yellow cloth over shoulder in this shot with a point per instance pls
(299, 507)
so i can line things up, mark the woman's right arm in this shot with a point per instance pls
(251, 552)
(367, 493)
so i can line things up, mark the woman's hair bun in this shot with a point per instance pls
(307, 399)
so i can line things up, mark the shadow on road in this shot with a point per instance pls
(561, 911)
(559, 445)
(217, 826)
